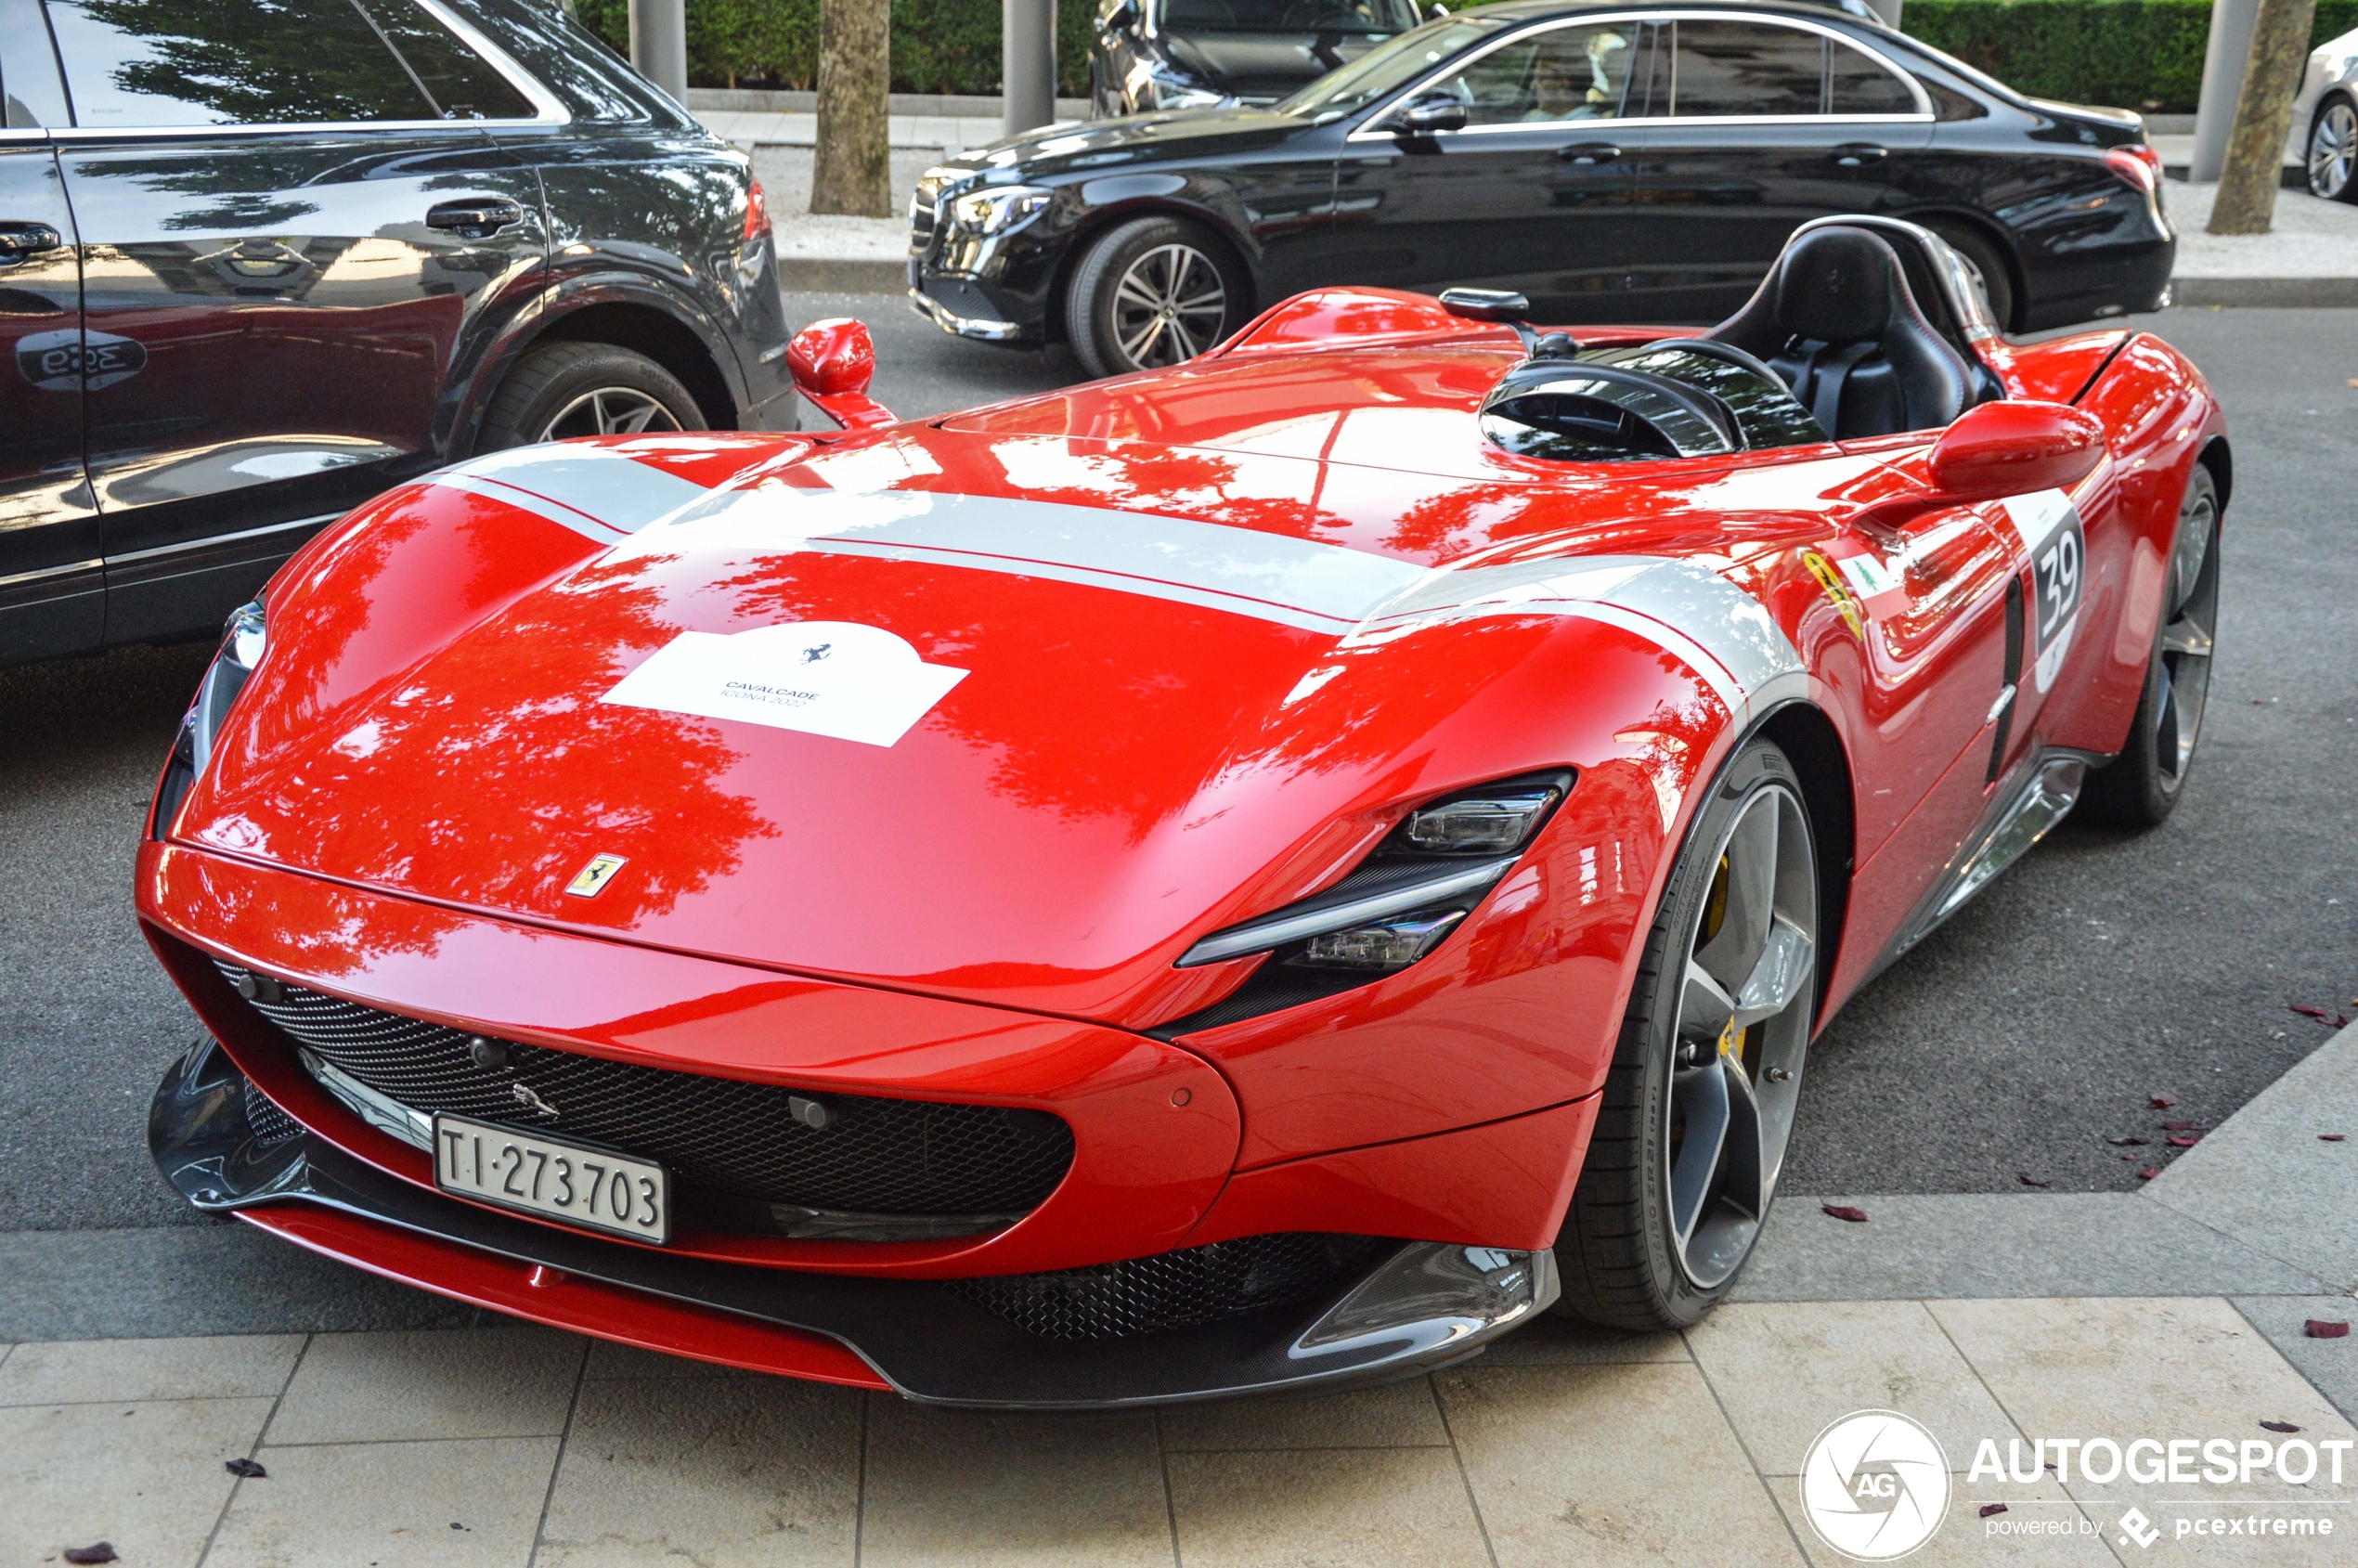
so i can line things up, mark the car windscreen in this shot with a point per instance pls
(1364, 17)
(1388, 67)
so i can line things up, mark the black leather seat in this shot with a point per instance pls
(1834, 318)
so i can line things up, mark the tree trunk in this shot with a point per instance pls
(853, 174)
(2263, 117)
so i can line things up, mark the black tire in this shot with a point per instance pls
(1996, 280)
(1623, 1260)
(2140, 787)
(559, 385)
(1168, 258)
(2329, 157)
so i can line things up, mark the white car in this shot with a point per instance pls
(2325, 118)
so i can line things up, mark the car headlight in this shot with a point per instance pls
(999, 209)
(242, 642)
(1405, 898)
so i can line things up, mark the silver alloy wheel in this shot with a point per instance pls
(1169, 305)
(608, 410)
(2333, 149)
(1742, 1031)
(2187, 637)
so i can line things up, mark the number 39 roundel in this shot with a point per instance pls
(2049, 526)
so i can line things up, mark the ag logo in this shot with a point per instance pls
(1874, 1485)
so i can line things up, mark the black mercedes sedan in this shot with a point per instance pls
(261, 259)
(1610, 162)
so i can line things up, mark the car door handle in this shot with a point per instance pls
(1588, 152)
(475, 217)
(22, 241)
(1858, 154)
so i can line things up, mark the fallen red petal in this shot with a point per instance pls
(1844, 1211)
(1988, 1509)
(2028, 1180)
(2148, 1175)
(2279, 1426)
(2325, 1328)
(101, 1552)
(2162, 1101)
(2330, 1137)
(2188, 1141)
(2332, 1020)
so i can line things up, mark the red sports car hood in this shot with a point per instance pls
(885, 712)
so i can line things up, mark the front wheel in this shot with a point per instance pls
(1700, 1101)
(2333, 151)
(1152, 292)
(2141, 787)
(560, 390)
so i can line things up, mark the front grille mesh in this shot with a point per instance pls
(722, 1136)
(1172, 1289)
(270, 1125)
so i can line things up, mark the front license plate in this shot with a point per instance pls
(569, 1182)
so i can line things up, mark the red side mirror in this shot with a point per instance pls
(2012, 448)
(832, 362)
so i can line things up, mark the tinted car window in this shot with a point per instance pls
(1288, 16)
(1856, 84)
(1722, 68)
(27, 70)
(1389, 67)
(461, 83)
(221, 62)
(1571, 73)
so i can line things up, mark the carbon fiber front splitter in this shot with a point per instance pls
(1426, 1305)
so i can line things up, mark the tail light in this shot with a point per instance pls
(2138, 165)
(757, 211)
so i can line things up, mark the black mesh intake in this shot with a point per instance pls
(1172, 1290)
(718, 1135)
(271, 1126)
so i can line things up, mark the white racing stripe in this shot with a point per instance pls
(598, 493)
(1359, 597)
(1268, 576)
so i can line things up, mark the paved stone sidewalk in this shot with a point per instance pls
(1563, 1446)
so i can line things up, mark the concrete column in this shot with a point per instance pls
(1027, 61)
(2222, 83)
(659, 43)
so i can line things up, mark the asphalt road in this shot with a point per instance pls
(2100, 969)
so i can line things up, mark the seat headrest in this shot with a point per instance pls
(1837, 285)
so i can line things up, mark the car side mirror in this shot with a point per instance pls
(833, 363)
(2012, 448)
(1429, 112)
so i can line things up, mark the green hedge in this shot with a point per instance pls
(938, 46)
(2135, 54)
(2132, 54)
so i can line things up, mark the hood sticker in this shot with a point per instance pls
(823, 678)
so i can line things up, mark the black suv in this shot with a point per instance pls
(261, 259)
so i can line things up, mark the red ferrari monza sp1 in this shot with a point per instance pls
(1264, 874)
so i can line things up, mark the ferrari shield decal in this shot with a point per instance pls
(591, 879)
(823, 678)
(1836, 594)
